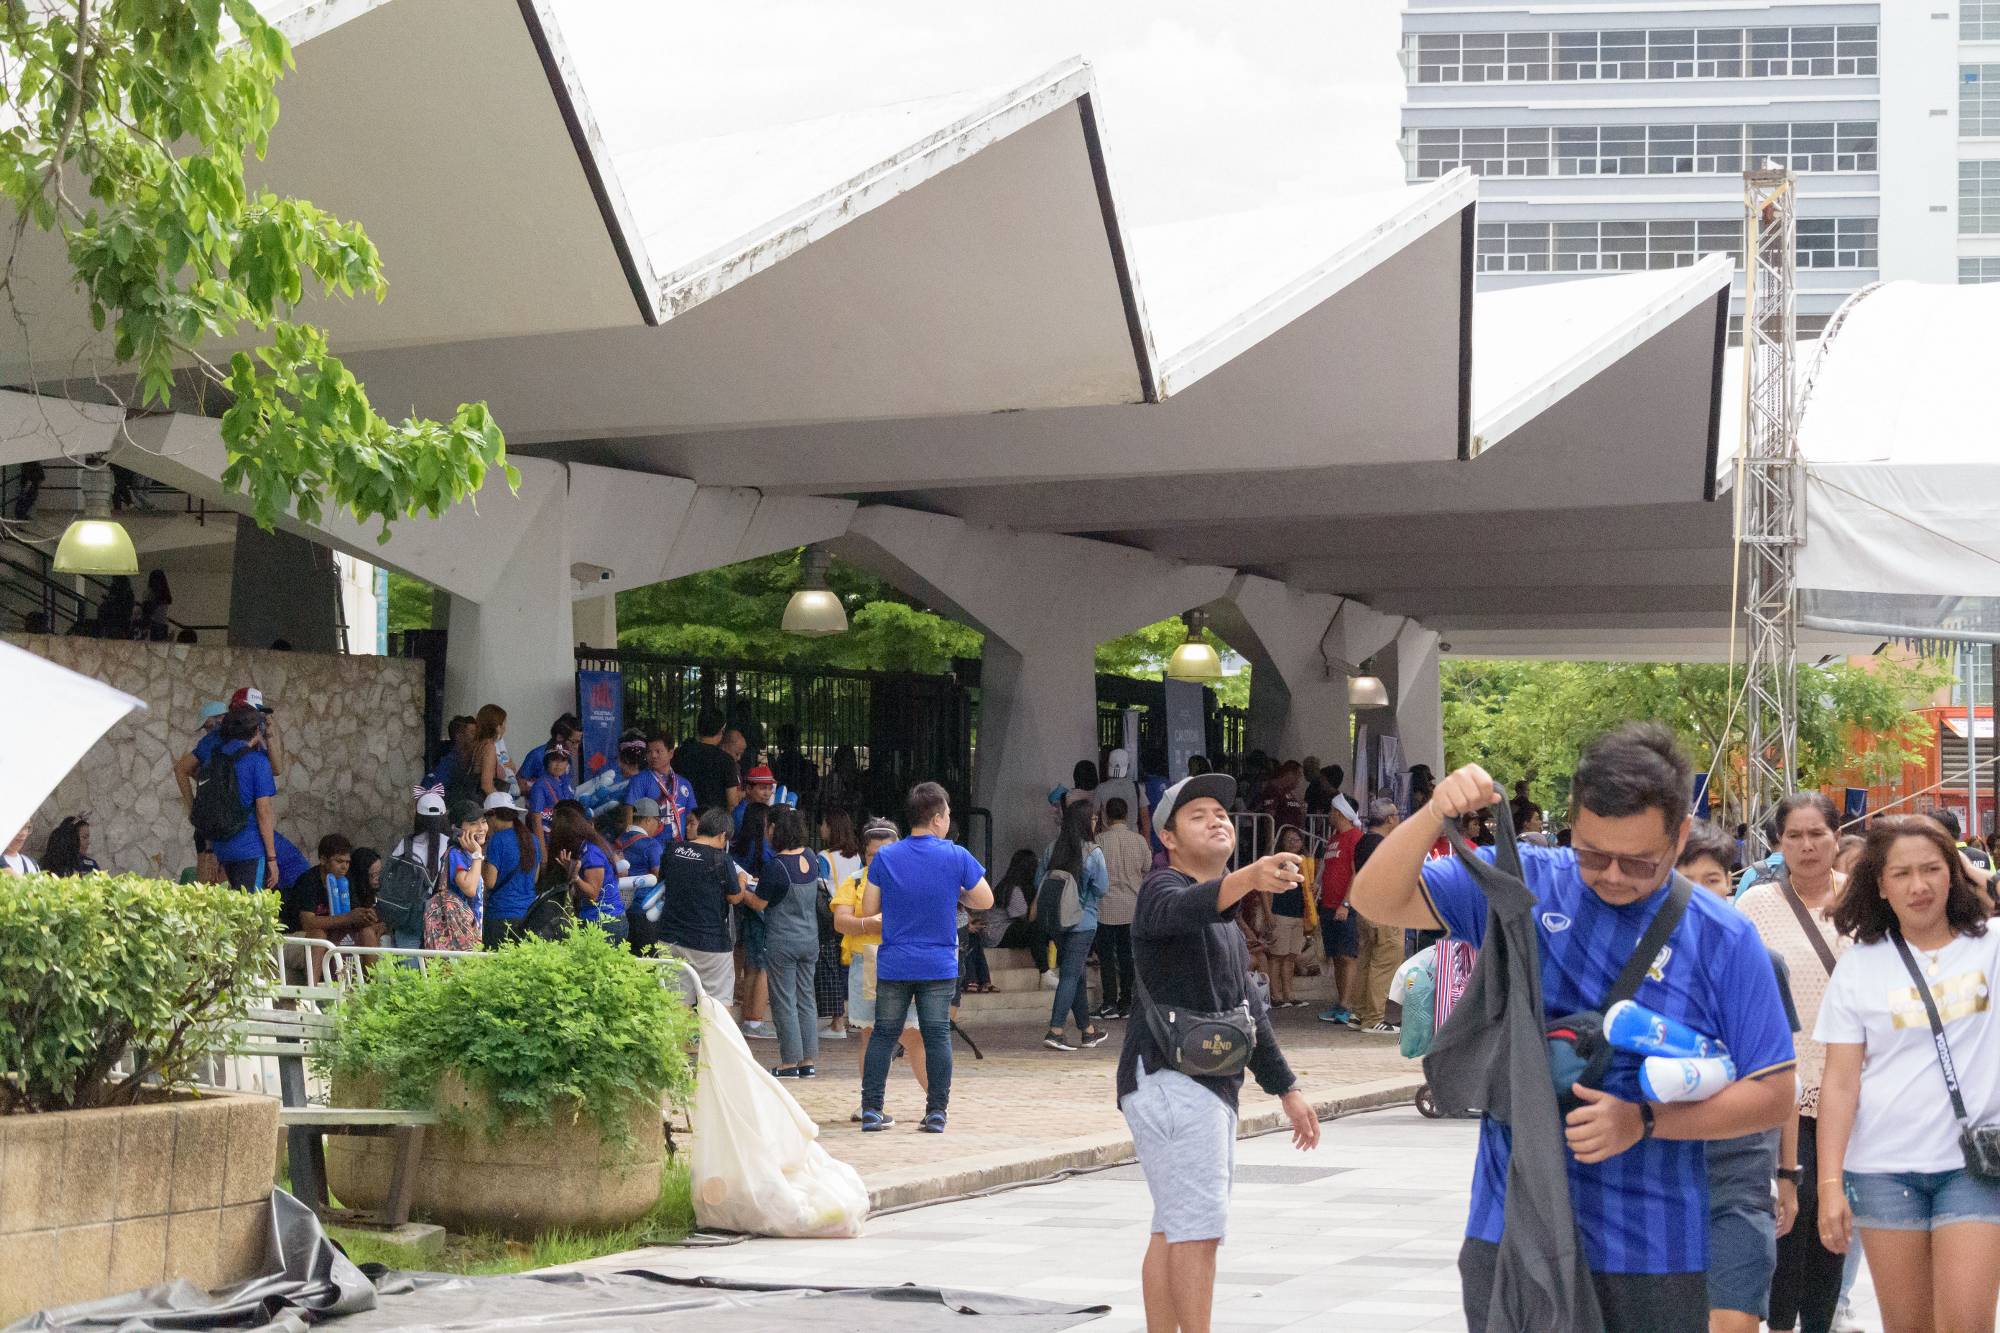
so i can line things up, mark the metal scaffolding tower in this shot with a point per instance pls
(1770, 515)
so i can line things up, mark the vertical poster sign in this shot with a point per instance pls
(1855, 808)
(600, 698)
(1701, 796)
(1187, 729)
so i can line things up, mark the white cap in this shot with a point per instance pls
(499, 800)
(431, 803)
(1345, 809)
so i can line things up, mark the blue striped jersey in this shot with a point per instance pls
(1645, 1210)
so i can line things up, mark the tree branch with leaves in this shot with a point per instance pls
(132, 125)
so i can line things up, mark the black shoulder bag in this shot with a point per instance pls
(1578, 1052)
(1979, 1143)
(1196, 1042)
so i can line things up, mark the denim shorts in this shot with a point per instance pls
(1921, 1200)
(1742, 1255)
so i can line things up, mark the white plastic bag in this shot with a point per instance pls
(756, 1164)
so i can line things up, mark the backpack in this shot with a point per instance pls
(1058, 905)
(407, 885)
(218, 814)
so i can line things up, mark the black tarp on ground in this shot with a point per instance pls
(314, 1285)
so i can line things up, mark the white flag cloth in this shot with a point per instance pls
(54, 715)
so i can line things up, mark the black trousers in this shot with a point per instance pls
(1630, 1302)
(1114, 966)
(1023, 933)
(1806, 1286)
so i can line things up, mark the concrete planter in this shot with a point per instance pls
(526, 1180)
(93, 1203)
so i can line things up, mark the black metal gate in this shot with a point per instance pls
(902, 728)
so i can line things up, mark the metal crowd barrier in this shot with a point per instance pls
(1256, 835)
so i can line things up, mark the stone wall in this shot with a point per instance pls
(352, 730)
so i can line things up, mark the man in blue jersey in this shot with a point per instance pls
(1637, 1178)
(667, 789)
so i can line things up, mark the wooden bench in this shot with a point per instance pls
(285, 1033)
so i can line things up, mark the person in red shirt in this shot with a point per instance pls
(1336, 919)
(1284, 798)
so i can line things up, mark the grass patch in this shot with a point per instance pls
(670, 1220)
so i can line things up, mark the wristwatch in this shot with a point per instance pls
(1645, 1121)
(1795, 1174)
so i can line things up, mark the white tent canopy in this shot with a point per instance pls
(1902, 462)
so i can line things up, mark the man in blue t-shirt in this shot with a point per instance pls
(918, 885)
(658, 783)
(1637, 1178)
(249, 857)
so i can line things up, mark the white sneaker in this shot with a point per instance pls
(1385, 1028)
(1845, 1322)
(761, 1030)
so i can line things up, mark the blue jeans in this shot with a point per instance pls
(1072, 988)
(892, 1005)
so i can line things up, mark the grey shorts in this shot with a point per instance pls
(716, 970)
(1186, 1139)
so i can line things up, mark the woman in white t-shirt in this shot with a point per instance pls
(1931, 1227)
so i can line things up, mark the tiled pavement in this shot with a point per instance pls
(1360, 1235)
(1025, 1111)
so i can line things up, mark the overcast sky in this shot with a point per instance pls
(1207, 108)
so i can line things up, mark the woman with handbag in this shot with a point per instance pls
(1793, 913)
(1910, 1108)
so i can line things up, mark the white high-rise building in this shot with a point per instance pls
(1612, 136)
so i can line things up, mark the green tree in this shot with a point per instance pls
(736, 612)
(129, 126)
(1530, 719)
(409, 603)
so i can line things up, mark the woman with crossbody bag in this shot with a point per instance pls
(1792, 913)
(1910, 1111)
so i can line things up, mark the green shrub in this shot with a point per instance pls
(100, 966)
(536, 1025)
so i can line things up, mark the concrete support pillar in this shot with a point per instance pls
(595, 620)
(1296, 643)
(512, 647)
(282, 587)
(1045, 603)
(1419, 697)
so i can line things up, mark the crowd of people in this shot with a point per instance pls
(1847, 977)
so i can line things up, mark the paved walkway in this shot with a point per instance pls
(1361, 1235)
(1024, 1111)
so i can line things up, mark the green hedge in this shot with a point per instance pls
(536, 1025)
(98, 966)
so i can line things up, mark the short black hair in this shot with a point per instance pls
(708, 722)
(665, 738)
(1705, 839)
(1115, 809)
(1630, 769)
(1814, 800)
(927, 801)
(334, 844)
(712, 821)
(1944, 815)
(788, 828)
(239, 724)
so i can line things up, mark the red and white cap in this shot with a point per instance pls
(760, 775)
(249, 697)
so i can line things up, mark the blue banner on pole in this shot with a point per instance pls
(1701, 795)
(1856, 805)
(600, 697)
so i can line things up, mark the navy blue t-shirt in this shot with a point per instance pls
(1645, 1210)
(920, 879)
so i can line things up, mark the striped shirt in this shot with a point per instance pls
(1645, 1210)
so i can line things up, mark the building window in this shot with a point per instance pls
(1973, 676)
(1640, 53)
(1978, 100)
(1838, 243)
(1978, 269)
(1641, 150)
(1979, 20)
(1979, 198)
(1629, 246)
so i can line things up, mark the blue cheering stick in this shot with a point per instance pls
(1679, 1064)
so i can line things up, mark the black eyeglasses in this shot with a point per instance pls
(1632, 867)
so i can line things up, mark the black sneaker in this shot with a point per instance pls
(874, 1122)
(1094, 1038)
(807, 1071)
(1056, 1041)
(933, 1123)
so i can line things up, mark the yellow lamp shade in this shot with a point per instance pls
(96, 546)
(1194, 660)
(815, 613)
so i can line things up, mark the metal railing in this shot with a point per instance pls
(1256, 835)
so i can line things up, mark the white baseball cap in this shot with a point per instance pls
(430, 803)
